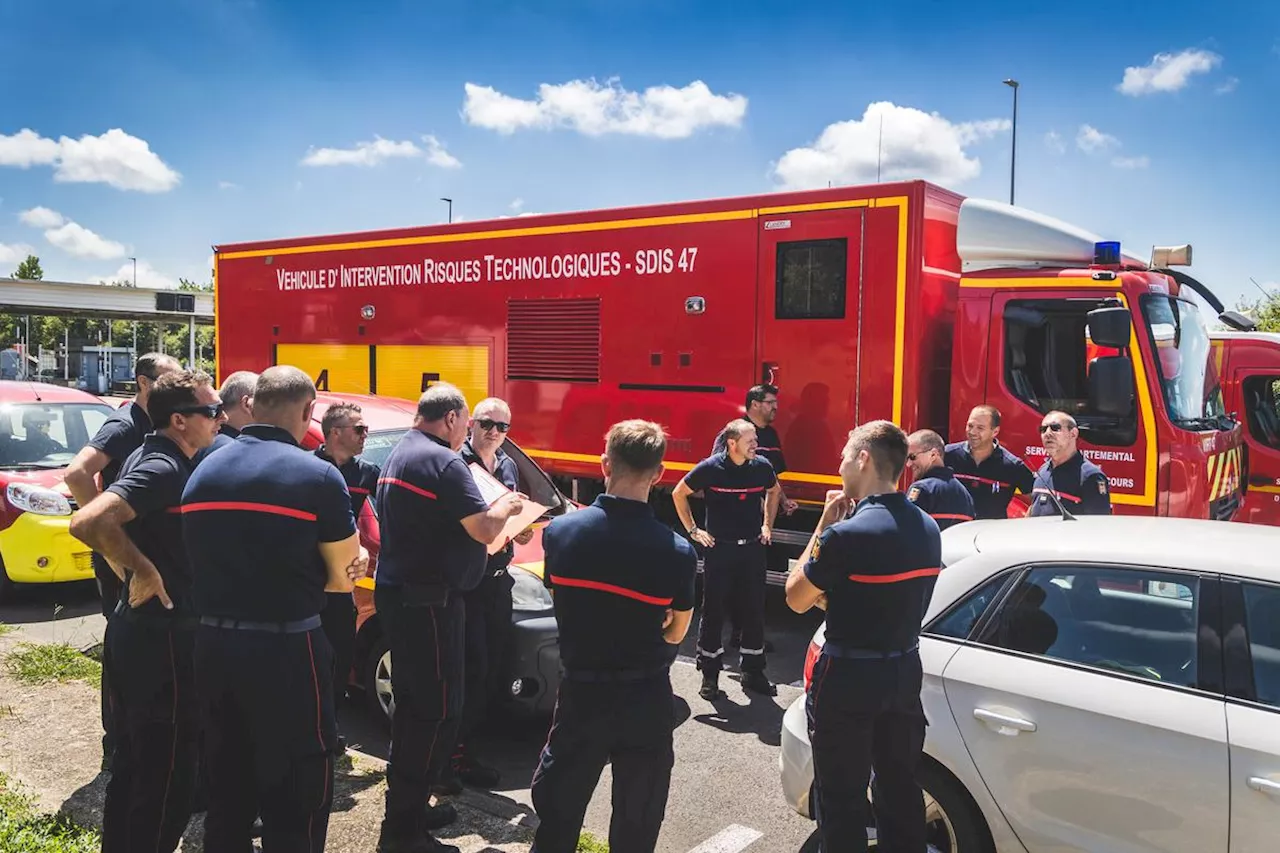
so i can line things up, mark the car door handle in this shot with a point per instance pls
(1002, 724)
(1266, 786)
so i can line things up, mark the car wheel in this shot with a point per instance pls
(377, 680)
(6, 585)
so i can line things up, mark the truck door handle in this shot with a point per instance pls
(1265, 786)
(1008, 726)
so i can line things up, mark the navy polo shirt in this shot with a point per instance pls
(878, 569)
(992, 481)
(423, 494)
(733, 493)
(151, 483)
(226, 434)
(360, 476)
(616, 570)
(768, 445)
(506, 472)
(119, 436)
(1078, 483)
(938, 493)
(254, 515)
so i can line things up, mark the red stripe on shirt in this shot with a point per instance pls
(248, 506)
(978, 479)
(417, 490)
(610, 588)
(737, 491)
(1044, 491)
(898, 578)
(356, 490)
(955, 515)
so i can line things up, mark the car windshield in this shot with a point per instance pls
(47, 435)
(377, 446)
(1188, 375)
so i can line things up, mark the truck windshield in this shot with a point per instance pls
(1188, 375)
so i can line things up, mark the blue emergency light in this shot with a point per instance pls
(1107, 254)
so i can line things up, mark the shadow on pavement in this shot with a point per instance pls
(38, 602)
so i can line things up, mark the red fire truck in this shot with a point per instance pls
(1249, 365)
(903, 301)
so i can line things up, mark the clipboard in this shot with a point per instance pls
(491, 489)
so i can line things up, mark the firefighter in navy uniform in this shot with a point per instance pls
(268, 530)
(985, 468)
(742, 495)
(874, 573)
(623, 584)
(1080, 485)
(435, 526)
(105, 453)
(935, 488)
(344, 431)
(150, 638)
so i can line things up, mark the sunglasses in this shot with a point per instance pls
(1050, 427)
(213, 410)
(487, 424)
(360, 429)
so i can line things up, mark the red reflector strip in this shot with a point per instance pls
(955, 515)
(1063, 495)
(610, 588)
(898, 578)
(356, 490)
(417, 490)
(248, 506)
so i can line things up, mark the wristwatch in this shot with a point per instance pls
(693, 530)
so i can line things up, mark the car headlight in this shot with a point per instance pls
(37, 499)
(527, 591)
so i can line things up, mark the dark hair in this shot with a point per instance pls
(439, 400)
(636, 446)
(173, 391)
(928, 440)
(885, 442)
(735, 428)
(757, 393)
(149, 363)
(992, 411)
(281, 386)
(337, 415)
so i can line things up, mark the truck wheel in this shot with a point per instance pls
(377, 680)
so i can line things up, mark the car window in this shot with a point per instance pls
(1262, 620)
(958, 621)
(1133, 621)
(47, 435)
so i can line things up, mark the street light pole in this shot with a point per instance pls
(1013, 157)
(450, 202)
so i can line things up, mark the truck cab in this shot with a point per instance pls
(1050, 317)
(1249, 363)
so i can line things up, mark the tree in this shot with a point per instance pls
(1265, 311)
(29, 270)
(188, 285)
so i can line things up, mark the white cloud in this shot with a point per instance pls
(148, 276)
(595, 109)
(379, 151)
(1053, 141)
(1131, 162)
(71, 237)
(14, 253)
(516, 204)
(1167, 72)
(1227, 86)
(1090, 139)
(114, 158)
(228, 185)
(915, 144)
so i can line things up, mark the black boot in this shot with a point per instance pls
(476, 775)
(756, 682)
(710, 689)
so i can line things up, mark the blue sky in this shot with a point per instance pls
(160, 127)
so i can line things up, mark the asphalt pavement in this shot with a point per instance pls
(725, 795)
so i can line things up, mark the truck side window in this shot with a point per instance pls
(811, 279)
(1262, 409)
(1047, 357)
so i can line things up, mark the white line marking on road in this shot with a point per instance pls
(731, 839)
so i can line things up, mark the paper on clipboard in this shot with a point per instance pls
(491, 488)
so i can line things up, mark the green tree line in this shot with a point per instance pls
(50, 333)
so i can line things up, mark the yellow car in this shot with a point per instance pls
(42, 427)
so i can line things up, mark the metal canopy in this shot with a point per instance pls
(65, 298)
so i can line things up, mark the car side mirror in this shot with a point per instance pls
(1109, 327)
(1111, 386)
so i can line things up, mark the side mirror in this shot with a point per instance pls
(1109, 327)
(1111, 386)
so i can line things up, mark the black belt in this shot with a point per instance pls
(159, 620)
(615, 676)
(298, 627)
(839, 650)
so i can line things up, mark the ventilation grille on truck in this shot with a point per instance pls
(554, 340)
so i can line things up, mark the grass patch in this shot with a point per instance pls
(588, 843)
(33, 663)
(7, 629)
(24, 829)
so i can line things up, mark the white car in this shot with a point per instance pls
(1096, 684)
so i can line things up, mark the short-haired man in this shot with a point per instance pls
(150, 638)
(616, 572)
(104, 454)
(434, 526)
(934, 488)
(874, 573)
(742, 495)
(237, 404)
(1079, 484)
(269, 531)
(989, 471)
